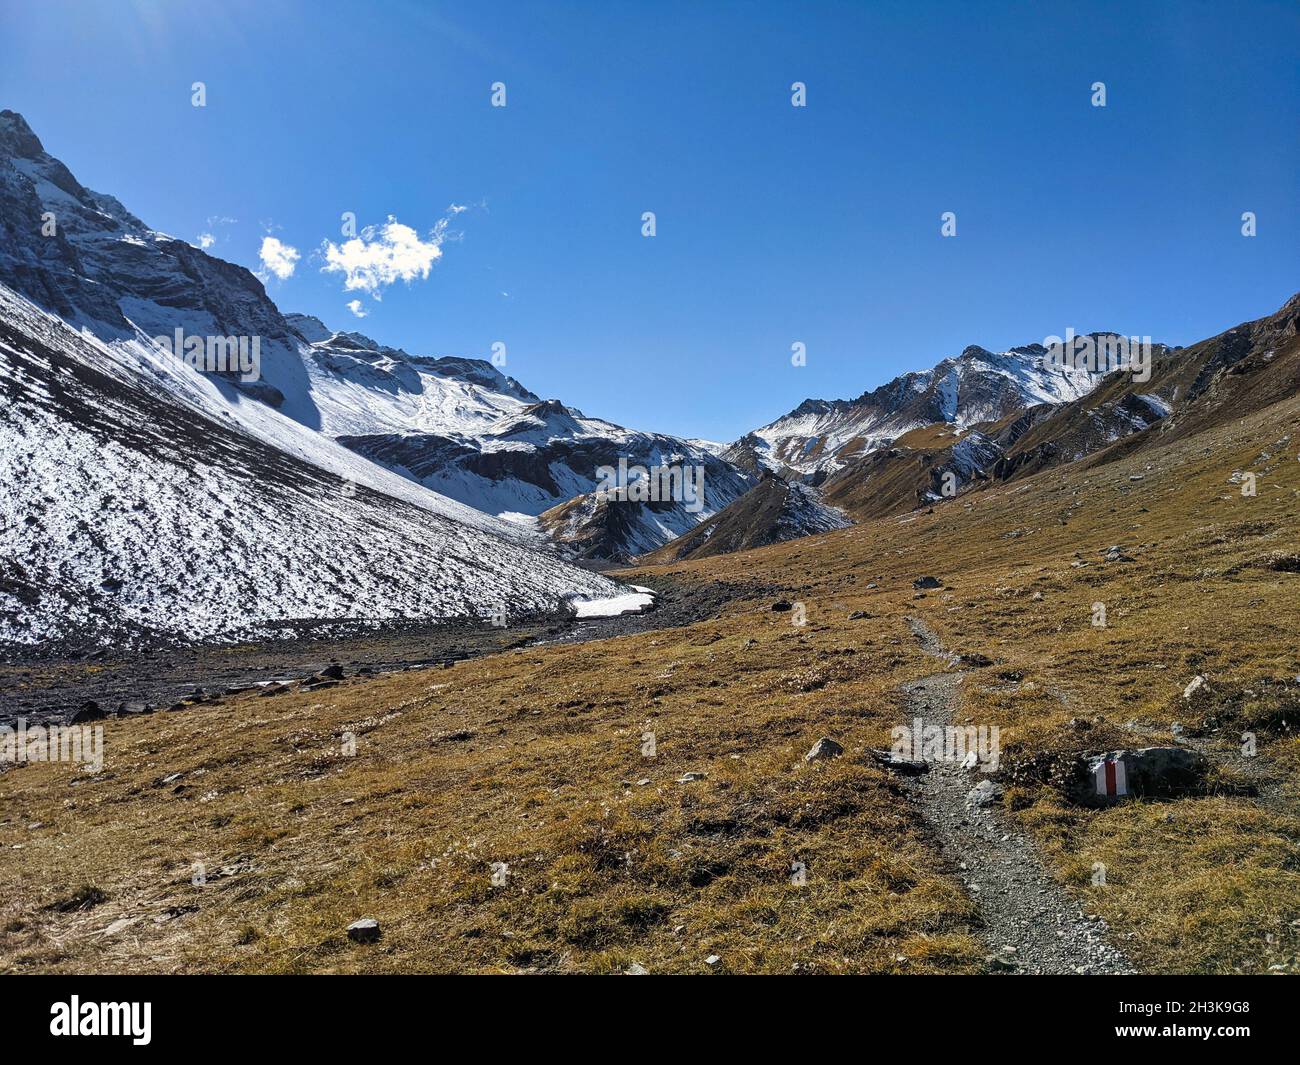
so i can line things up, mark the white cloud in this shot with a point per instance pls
(355, 307)
(278, 258)
(382, 255)
(214, 230)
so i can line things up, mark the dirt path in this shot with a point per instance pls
(1030, 924)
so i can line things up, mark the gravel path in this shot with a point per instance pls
(1029, 923)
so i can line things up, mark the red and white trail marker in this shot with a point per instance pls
(1111, 778)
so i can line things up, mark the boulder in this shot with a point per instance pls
(985, 793)
(927, 582)
(902, 766)
(823, 748)
(782, 605)
(274, 688)
(88, 711)
(1148, 772)
(365, 930)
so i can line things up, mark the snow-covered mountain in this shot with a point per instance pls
(141, 496)
(977, 386)
(466, 430)
(457, 426)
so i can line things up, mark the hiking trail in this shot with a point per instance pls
(1029, 922)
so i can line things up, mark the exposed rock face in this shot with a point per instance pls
(86, 258)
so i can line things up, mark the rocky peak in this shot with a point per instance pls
(16, 137)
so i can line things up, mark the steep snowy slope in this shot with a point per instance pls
(132, 505)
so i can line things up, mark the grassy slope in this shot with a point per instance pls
(533, 759)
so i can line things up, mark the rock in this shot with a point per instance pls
(334, 672)
(781, 605)
(88, 711)
(1080, 724)
(313, 684)
(1149, 772)
(858, 615)
(998, 963)
(902, 766)
(365, 930)
(976, 660)
(636, 969)
(1198, 683)
(1116, 554)
(823, 748)
(927, 582)
(985, 793)
(712, 959)
(688, 778)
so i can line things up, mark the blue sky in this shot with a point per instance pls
(775, 224)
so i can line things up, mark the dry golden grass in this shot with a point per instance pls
(533, 759)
